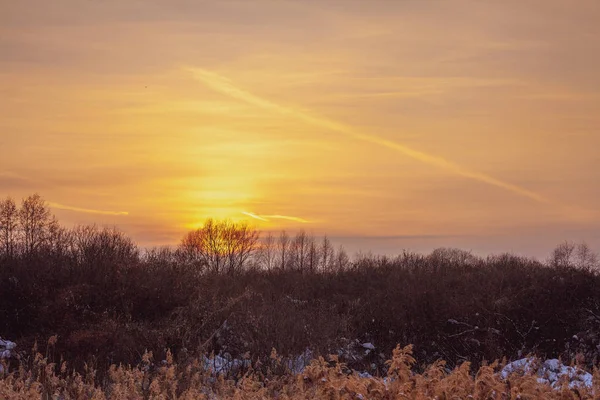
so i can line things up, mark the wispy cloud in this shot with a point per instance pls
(287, 217)
(86, 210)
(252, 215)
(227, 87)
(266, 218)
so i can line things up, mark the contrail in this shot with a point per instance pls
(266, 218)
(252, 215)
(223, 85)
(297, 219)
(86, 210)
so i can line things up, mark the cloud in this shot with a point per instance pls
(286, 217)
(86, 210)
(266, 218)
(252, 215)
(225, 86)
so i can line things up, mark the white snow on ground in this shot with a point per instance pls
(355, 350)
(6, 347)
(552, 372)
(368, 346)
(223, 365)
(297, 364)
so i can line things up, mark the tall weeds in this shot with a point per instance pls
(320, 380)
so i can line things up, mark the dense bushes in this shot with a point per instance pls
(503, 306)
(108, 301)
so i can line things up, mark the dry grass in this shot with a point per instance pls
(321, 379)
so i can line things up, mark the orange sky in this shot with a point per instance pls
(386, 124)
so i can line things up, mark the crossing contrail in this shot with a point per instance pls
(225, 86)
(86, 210)
(266, 218)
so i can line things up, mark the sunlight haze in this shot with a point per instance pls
(384, 124)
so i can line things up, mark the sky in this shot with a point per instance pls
(387, 125)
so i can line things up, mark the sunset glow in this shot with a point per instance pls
(386, 125)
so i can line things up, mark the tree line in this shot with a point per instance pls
(230, 247)
(217, 247)
(32, 230)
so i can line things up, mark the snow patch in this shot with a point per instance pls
(223, 365)
(552, 372)
(297, 364)
(6, 351)
(368, 346)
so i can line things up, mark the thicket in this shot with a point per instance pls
(227, 290)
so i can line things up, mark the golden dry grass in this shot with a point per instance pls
(320, 380)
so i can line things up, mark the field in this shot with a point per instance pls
(246, 322)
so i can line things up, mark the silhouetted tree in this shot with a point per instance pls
(191, 250)
(59, 240)
(240, 243)
(299, 251)
(313, 255)
(220, 246)
(283, 245)
(342, 261)
(160, 257)
(9, 223)
(266, 256)
(101, 247)
(327, 254)
(570, 254)
(453, 256)
(34, 219)
(585, 257)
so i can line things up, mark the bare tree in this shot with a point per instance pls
(452, 256)
(34, 218)
(240, 243)
(83, 238)
(205, 248)
(570, 254)
(267, 252)
(59, 240)
(160, 257)
(299, 251)
(221, 246)
(342, 261)
(283, 246)
(9, 223)
(585, 258)
(326, 254)
(562, 255)
(191, 250)
(103, 246)
(313, 255)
